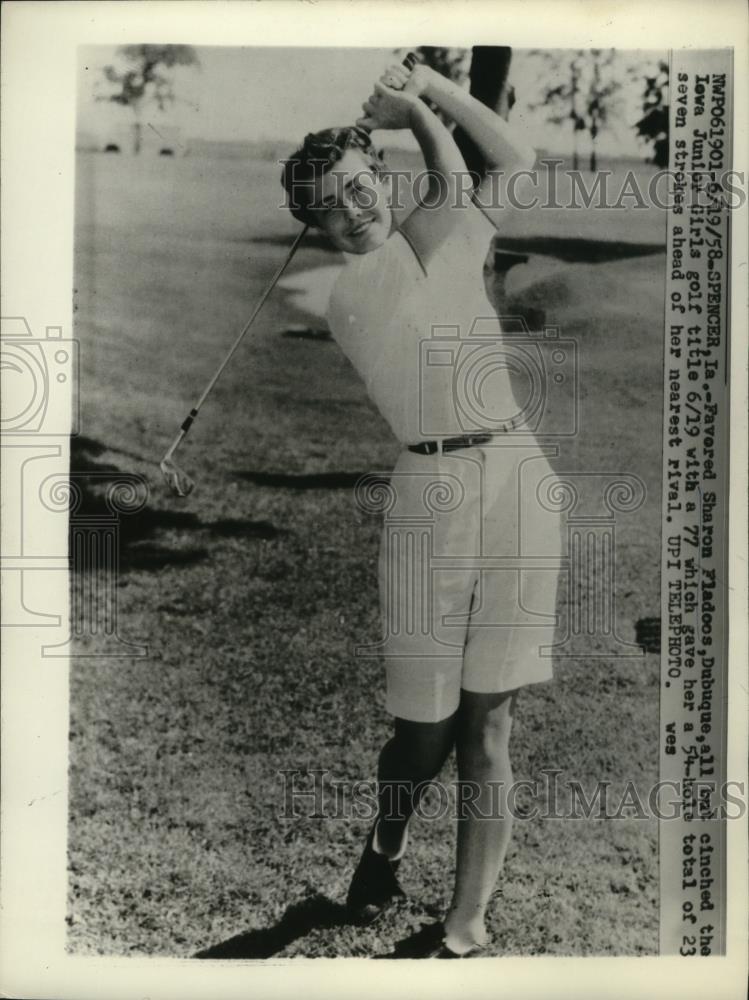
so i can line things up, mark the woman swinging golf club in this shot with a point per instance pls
(456, 685)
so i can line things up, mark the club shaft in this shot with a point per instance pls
(409, 62)
(230, 354)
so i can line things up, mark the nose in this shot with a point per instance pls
(353, 209)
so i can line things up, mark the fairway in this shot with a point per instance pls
(252, 593)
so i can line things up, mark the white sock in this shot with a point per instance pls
(377, 848)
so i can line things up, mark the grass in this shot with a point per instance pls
(251, 594)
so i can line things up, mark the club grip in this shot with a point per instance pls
(187, 422)
(409, 62)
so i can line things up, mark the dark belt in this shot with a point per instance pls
(449, 444)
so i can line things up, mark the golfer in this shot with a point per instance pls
(476, 480)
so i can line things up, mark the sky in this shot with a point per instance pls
(270, 93)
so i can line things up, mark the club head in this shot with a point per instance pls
(178, 481)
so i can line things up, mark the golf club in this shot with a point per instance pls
(177, 479)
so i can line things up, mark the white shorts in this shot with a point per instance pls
(468, 572)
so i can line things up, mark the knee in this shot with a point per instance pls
(486, 746)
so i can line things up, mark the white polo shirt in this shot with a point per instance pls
(404, 327)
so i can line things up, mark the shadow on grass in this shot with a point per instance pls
(299, 919)
(423, 943)
(308, 481)
(141, 546)
(575, 250)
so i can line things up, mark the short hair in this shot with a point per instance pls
(317, 154)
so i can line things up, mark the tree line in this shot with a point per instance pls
(581, 88)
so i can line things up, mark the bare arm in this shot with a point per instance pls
(503, 150)
(501, 147)
(434, 217)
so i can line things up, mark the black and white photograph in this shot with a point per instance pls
(385, 443)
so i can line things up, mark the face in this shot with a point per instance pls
(354, 205)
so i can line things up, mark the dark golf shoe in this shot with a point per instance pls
(374, 886)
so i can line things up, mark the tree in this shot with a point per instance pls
(563, 99)
(653, 126)
(583, 89)
(142, 78)
(490, 68)
(600, 96)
